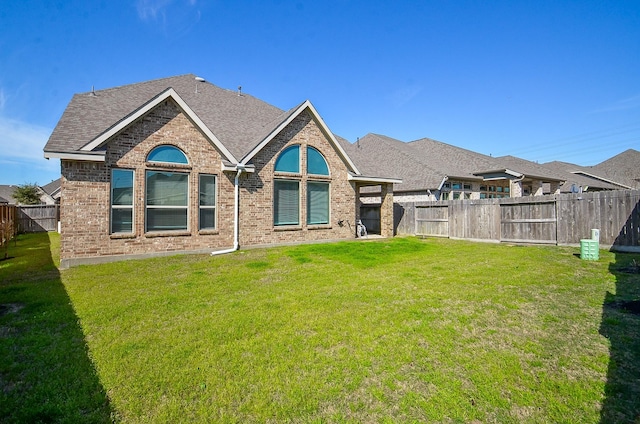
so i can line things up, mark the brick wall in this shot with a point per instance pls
(85, 199)
(256, 196)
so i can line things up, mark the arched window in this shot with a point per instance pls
(289, 160)
(167, 154)
(287, 189)
(316, 164)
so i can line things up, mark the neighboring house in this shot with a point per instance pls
(6, 192)
(3, 201)
(432, 170)
(619, 172)
(180, 165)
(53, 189)
(576, 181)
(622, 169)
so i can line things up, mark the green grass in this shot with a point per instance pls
(401, 330)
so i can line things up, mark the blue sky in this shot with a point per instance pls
(542, 80)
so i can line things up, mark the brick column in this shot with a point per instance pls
(386, 210)
(536, 187)
(554, 188)
(515, 188)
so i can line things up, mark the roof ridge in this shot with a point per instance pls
(416, 158)
(140, 83)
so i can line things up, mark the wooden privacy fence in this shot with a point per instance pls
(8, 227)
(37, 218)
(554, 219)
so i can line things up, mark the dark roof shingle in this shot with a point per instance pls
(235, 119)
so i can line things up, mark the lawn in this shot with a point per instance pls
(401, 330)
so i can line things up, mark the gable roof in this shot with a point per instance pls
(53, 188)
(623, 168)
(574, 175)
(6, 192)
(239, 125)
(285, 119)
(234, 119)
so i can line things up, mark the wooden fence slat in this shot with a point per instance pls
(560, 219)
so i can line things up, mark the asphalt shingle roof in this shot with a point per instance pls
(623, 168)
(449, 160)
(236, 120)
(566, 169)
(52, 187)
(6, 192)
(376, 154)
(528, 168)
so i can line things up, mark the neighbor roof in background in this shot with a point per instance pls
(376, 154)
(580, 180)
(623, 168)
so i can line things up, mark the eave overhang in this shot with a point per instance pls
(596, 177)
(499, 174)
(97, 156)
(368, 180)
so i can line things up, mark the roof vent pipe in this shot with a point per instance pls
(239, 90)
(358, 142)
(198, 79)
(93, 92)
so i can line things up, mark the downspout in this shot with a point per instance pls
(236, 211)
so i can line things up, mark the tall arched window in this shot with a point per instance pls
(167, 193)
(317, 191)
(286, 195)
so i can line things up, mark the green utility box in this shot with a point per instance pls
(589, 249)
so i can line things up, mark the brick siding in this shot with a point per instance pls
(256, 197)
(85, 199)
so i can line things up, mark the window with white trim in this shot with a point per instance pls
(207, 202)
(167, 201)
(317, 202)
(291, 177)
(122, 201)
(167, 192)
(286, 202)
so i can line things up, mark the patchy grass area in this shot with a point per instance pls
(402, 330)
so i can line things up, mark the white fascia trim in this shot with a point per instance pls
(498, 171)
(88, 156)
(233, 167)
(283, 125)
(596, 177)
(122, 124)
(444, 179)
(378, 180)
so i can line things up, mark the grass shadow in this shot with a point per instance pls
(621, 325)
(46, 375)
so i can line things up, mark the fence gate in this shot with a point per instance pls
(37, 218)
(432, 221)
(528, 222)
